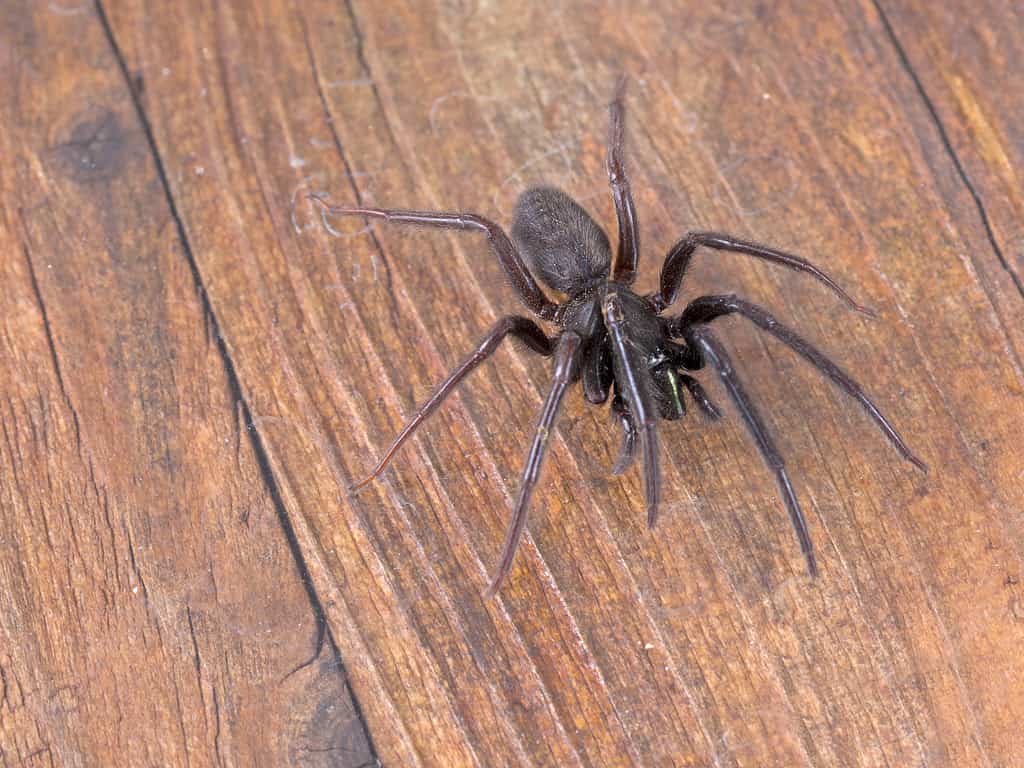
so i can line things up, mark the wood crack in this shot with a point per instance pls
(323, 632)
(950, 150)
(388, 282)
(48, 330)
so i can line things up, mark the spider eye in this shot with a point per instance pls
(657, 360)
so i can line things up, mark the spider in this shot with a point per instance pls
(614, 341)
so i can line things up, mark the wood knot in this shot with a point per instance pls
(94, 148)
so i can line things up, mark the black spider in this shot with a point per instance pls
(615, 340)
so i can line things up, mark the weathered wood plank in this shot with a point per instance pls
(874, 138)
(969, 75)
(151, 611)
(744, 675)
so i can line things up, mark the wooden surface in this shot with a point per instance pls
(194, 370)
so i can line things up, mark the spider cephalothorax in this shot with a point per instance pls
(616, 342)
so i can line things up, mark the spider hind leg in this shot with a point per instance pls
(628, 254)
(678, 259)
(511, 260)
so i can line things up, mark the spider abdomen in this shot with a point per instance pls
(562, 244)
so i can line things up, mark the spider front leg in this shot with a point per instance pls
(566, 371)
(633, 379)
(700, 397)
(707, 308)
(597, 379)
(522, 280)
(521, 327)
(627, 451)
(710, 349)
(678, 260)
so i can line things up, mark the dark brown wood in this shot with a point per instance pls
(151, 610)
(195, 370)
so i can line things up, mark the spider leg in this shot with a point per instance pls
(624, 267)
(708, 345)
(627, 452)
(678, 260)
(700, 397)
(596, 369)
(520, 327)
(597, 377)
(522, 280)
(707, 308)
(634, 380)
(566, 371)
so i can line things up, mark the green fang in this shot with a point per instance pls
(673, 383)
